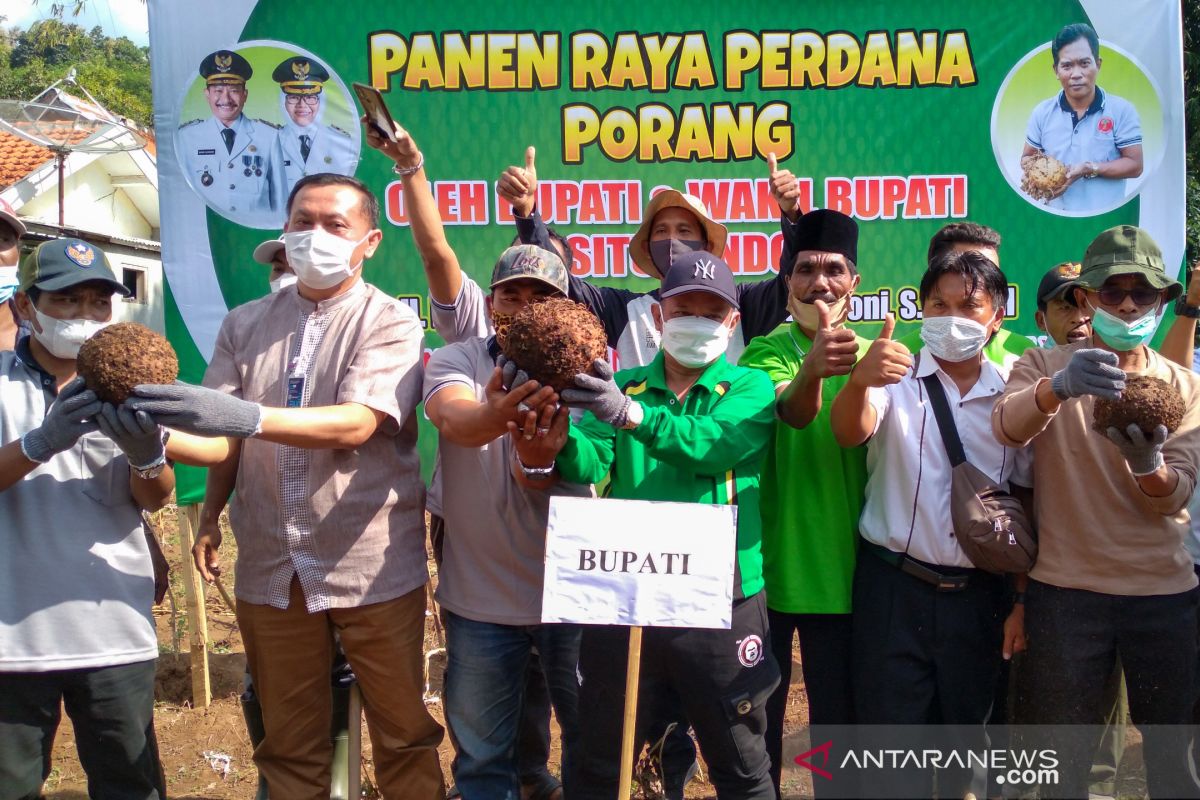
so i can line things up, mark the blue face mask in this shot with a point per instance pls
(8, 283)
(1121, 335)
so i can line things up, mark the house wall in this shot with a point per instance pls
(149, 310)
(92, 203)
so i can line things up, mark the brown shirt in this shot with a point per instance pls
(360, 538)
(1097, 529)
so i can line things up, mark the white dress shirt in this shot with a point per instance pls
(908, 489)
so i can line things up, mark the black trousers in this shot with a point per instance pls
(924, 657)
(825, 659)
(1075, 637)
(112, 709)
(722, 678)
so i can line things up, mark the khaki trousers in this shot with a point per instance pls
(289, 653)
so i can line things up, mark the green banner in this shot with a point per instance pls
(905, 115)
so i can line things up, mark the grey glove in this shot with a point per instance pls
(599, 394)
(68, 419)
(134, 432)
(511, 375)
(205, 412)
(1141, 454)
(1091, 371)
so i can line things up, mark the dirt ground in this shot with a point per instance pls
(186, 734)
(189, 737)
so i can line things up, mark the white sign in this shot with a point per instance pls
(634, 562)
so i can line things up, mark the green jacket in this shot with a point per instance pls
(707, 448)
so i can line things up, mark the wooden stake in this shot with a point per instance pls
(632, 669)
(193, 587)
(224, 594)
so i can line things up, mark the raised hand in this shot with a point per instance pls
(784, 187)
(403, 151)
(518, 185)
(834, 350)
(885, 362)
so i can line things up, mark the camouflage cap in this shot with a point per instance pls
(528, 261)
(1056, 283)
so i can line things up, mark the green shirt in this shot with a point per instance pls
(812, 491)
(1003, 350)
(705, 448)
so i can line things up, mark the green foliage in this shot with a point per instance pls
(115, 70)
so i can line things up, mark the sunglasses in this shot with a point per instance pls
(1142, 295)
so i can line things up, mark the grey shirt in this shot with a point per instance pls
(76, 580)
(494, 553)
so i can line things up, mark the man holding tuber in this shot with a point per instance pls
(319, 385)
(490, 580)
(76, 576)
(687, 427)
(1113, 578)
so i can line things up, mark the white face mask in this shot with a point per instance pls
(695, 341)
(954, 338)
(320, 259)
(283, 281)
(64, 337)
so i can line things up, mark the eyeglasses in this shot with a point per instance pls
(306, 99)
(1142, 295)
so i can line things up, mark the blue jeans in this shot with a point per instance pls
(485, 687)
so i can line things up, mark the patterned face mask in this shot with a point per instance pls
(500, 322)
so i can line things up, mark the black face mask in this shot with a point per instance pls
(664, 252)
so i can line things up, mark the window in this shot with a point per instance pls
(135, 281)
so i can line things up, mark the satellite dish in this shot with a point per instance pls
(65, 122)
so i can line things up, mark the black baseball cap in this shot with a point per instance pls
(59, 264)
(700, 271)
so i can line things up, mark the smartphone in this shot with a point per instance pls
(376, 110)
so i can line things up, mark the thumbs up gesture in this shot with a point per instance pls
(834, 350)
(885, 362)
(784, 188)
(518, 185)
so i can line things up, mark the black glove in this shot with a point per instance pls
(68, 419)
(205, 412)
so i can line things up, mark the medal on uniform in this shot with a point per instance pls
(206, 179)
(246, 161)
(258, 166)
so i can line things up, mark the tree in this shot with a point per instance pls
(115, 70)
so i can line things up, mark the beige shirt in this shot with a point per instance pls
(361, 538)
(1097, 529)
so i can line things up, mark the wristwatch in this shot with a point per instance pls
(534, 472)
(1093, 171)
(634, 414)
(151, 471)
(1184, 309)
